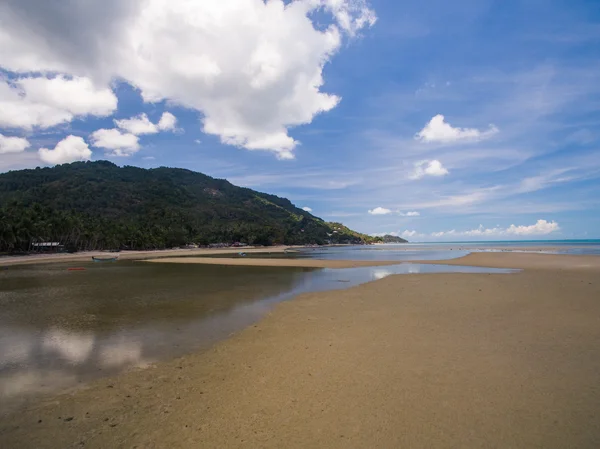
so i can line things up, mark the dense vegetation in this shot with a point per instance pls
(98, 205)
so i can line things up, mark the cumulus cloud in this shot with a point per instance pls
(76, 95)
(428, 168)
(141, 124)
(167, 122)
(307, 209)
(70, 149)
(43, 102)
(437, 130)
(409, 214)
(541, 227)
(117, 142)
(253, 69)
(12, 144)
(380, 211)
(137, 125)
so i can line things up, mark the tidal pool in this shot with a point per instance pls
(60, 329)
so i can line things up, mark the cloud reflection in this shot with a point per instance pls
(73, 347)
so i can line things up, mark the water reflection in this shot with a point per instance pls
(59, 329)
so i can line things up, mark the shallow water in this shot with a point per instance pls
(362, 252)
(59, 329)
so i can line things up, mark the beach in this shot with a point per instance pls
(418, 360)
(86, 256)
(267, 262)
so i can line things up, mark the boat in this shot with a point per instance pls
(105, 259)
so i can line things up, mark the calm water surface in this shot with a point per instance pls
(61, 328)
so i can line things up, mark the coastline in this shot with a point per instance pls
(528, 261)
(296, 263)
(436, 360)
(86, 256)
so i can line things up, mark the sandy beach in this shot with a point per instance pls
(86, 256)
(419, 361)
(266, 262)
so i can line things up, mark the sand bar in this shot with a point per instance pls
(86, 256)
(524, 261)
(419, 361)
(298, 263)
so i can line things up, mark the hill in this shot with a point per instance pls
(99, 205)
(393, 239)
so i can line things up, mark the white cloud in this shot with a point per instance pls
(167, 122)
(45, 102)
(307, 209)
(76, 95)
(253, 69)
(16, 111)
(13, 144)
(437, 130)
(70, 149)
(541, 227)
(137, 125)
(380, 211)
(119, 143)
(141, 124)
(409, 214)
(428, 168)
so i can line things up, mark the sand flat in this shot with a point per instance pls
(266, 262)
(419, 361)
(524, 261)
(86, 256)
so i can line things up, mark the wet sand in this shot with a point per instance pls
(419, 361)
(86, 256)
(524, 261)
(297, 263)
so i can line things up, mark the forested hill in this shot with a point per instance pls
(98, 205)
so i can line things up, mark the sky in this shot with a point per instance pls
(431, 120)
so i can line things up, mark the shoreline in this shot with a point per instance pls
(524, 261)
(265, 262)
(492, 360)
(86, 256)
(516, 260)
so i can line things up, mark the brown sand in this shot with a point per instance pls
(298, 263)
(86, 256)
(415, 361)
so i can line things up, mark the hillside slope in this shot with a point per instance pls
(98, 205)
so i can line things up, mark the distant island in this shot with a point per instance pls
(101, 206)
(392, 239)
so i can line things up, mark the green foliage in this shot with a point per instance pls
(98, 205)
(391, 239)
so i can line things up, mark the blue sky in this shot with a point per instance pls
(433, 120)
